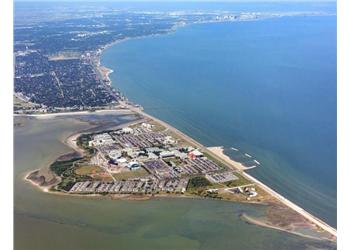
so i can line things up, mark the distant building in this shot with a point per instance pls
(165, 154)
(122, 160)
(169, 140)
(134, 165)
(153, 150)
(195, 153)
(127, 130)
(152, 156)
(147, 125)
(115, 154)
(102, 139)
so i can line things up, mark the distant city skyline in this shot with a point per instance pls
(181, 1)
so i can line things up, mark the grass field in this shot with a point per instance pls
(18, 103)
(157, 127)
(241, 181)
(131, 174)
(87, 170)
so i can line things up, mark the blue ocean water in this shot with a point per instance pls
(266, 87)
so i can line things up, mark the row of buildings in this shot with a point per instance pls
(135, 186)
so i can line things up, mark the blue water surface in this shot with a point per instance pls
(266, 87)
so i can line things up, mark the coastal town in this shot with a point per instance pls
(62, 72)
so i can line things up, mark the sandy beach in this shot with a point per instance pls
(219, 151)
(258, 222)
(105, 73)
(293, 206)
(86, 112)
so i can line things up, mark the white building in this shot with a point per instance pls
(196, 153)
(134, 165)
(169, 140)
(115, 154)
(165, 154)
(147, 125)
(127, 130)
(102, 139)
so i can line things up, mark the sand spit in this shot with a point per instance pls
(293, 206)
(219, 151)
(73, 113)
(262, 223)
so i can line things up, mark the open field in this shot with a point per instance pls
(87, 170)
(139, 173)
(239, 182)
(19, 103)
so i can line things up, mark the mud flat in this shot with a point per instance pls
(43, 179)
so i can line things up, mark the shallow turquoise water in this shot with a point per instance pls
(266, 87)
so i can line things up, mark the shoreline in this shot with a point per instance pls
(105, 71)
(45, 189)
(270, 191)
(72, 113)
(260, 223)
(217, 152)
(147, 197)
(315, 220)
(273, 193)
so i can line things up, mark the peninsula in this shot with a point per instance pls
(150, 158)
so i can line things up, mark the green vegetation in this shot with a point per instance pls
(83, 140)
(156, 126)
(139, 173)
(86, 170)
(21, 104)
(198, 182)
(59, 167)
(213, 196)
(241, 181)
(175, 160)
(66, 170)
(197, 185)
(66, 184)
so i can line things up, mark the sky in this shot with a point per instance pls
(175, 1)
